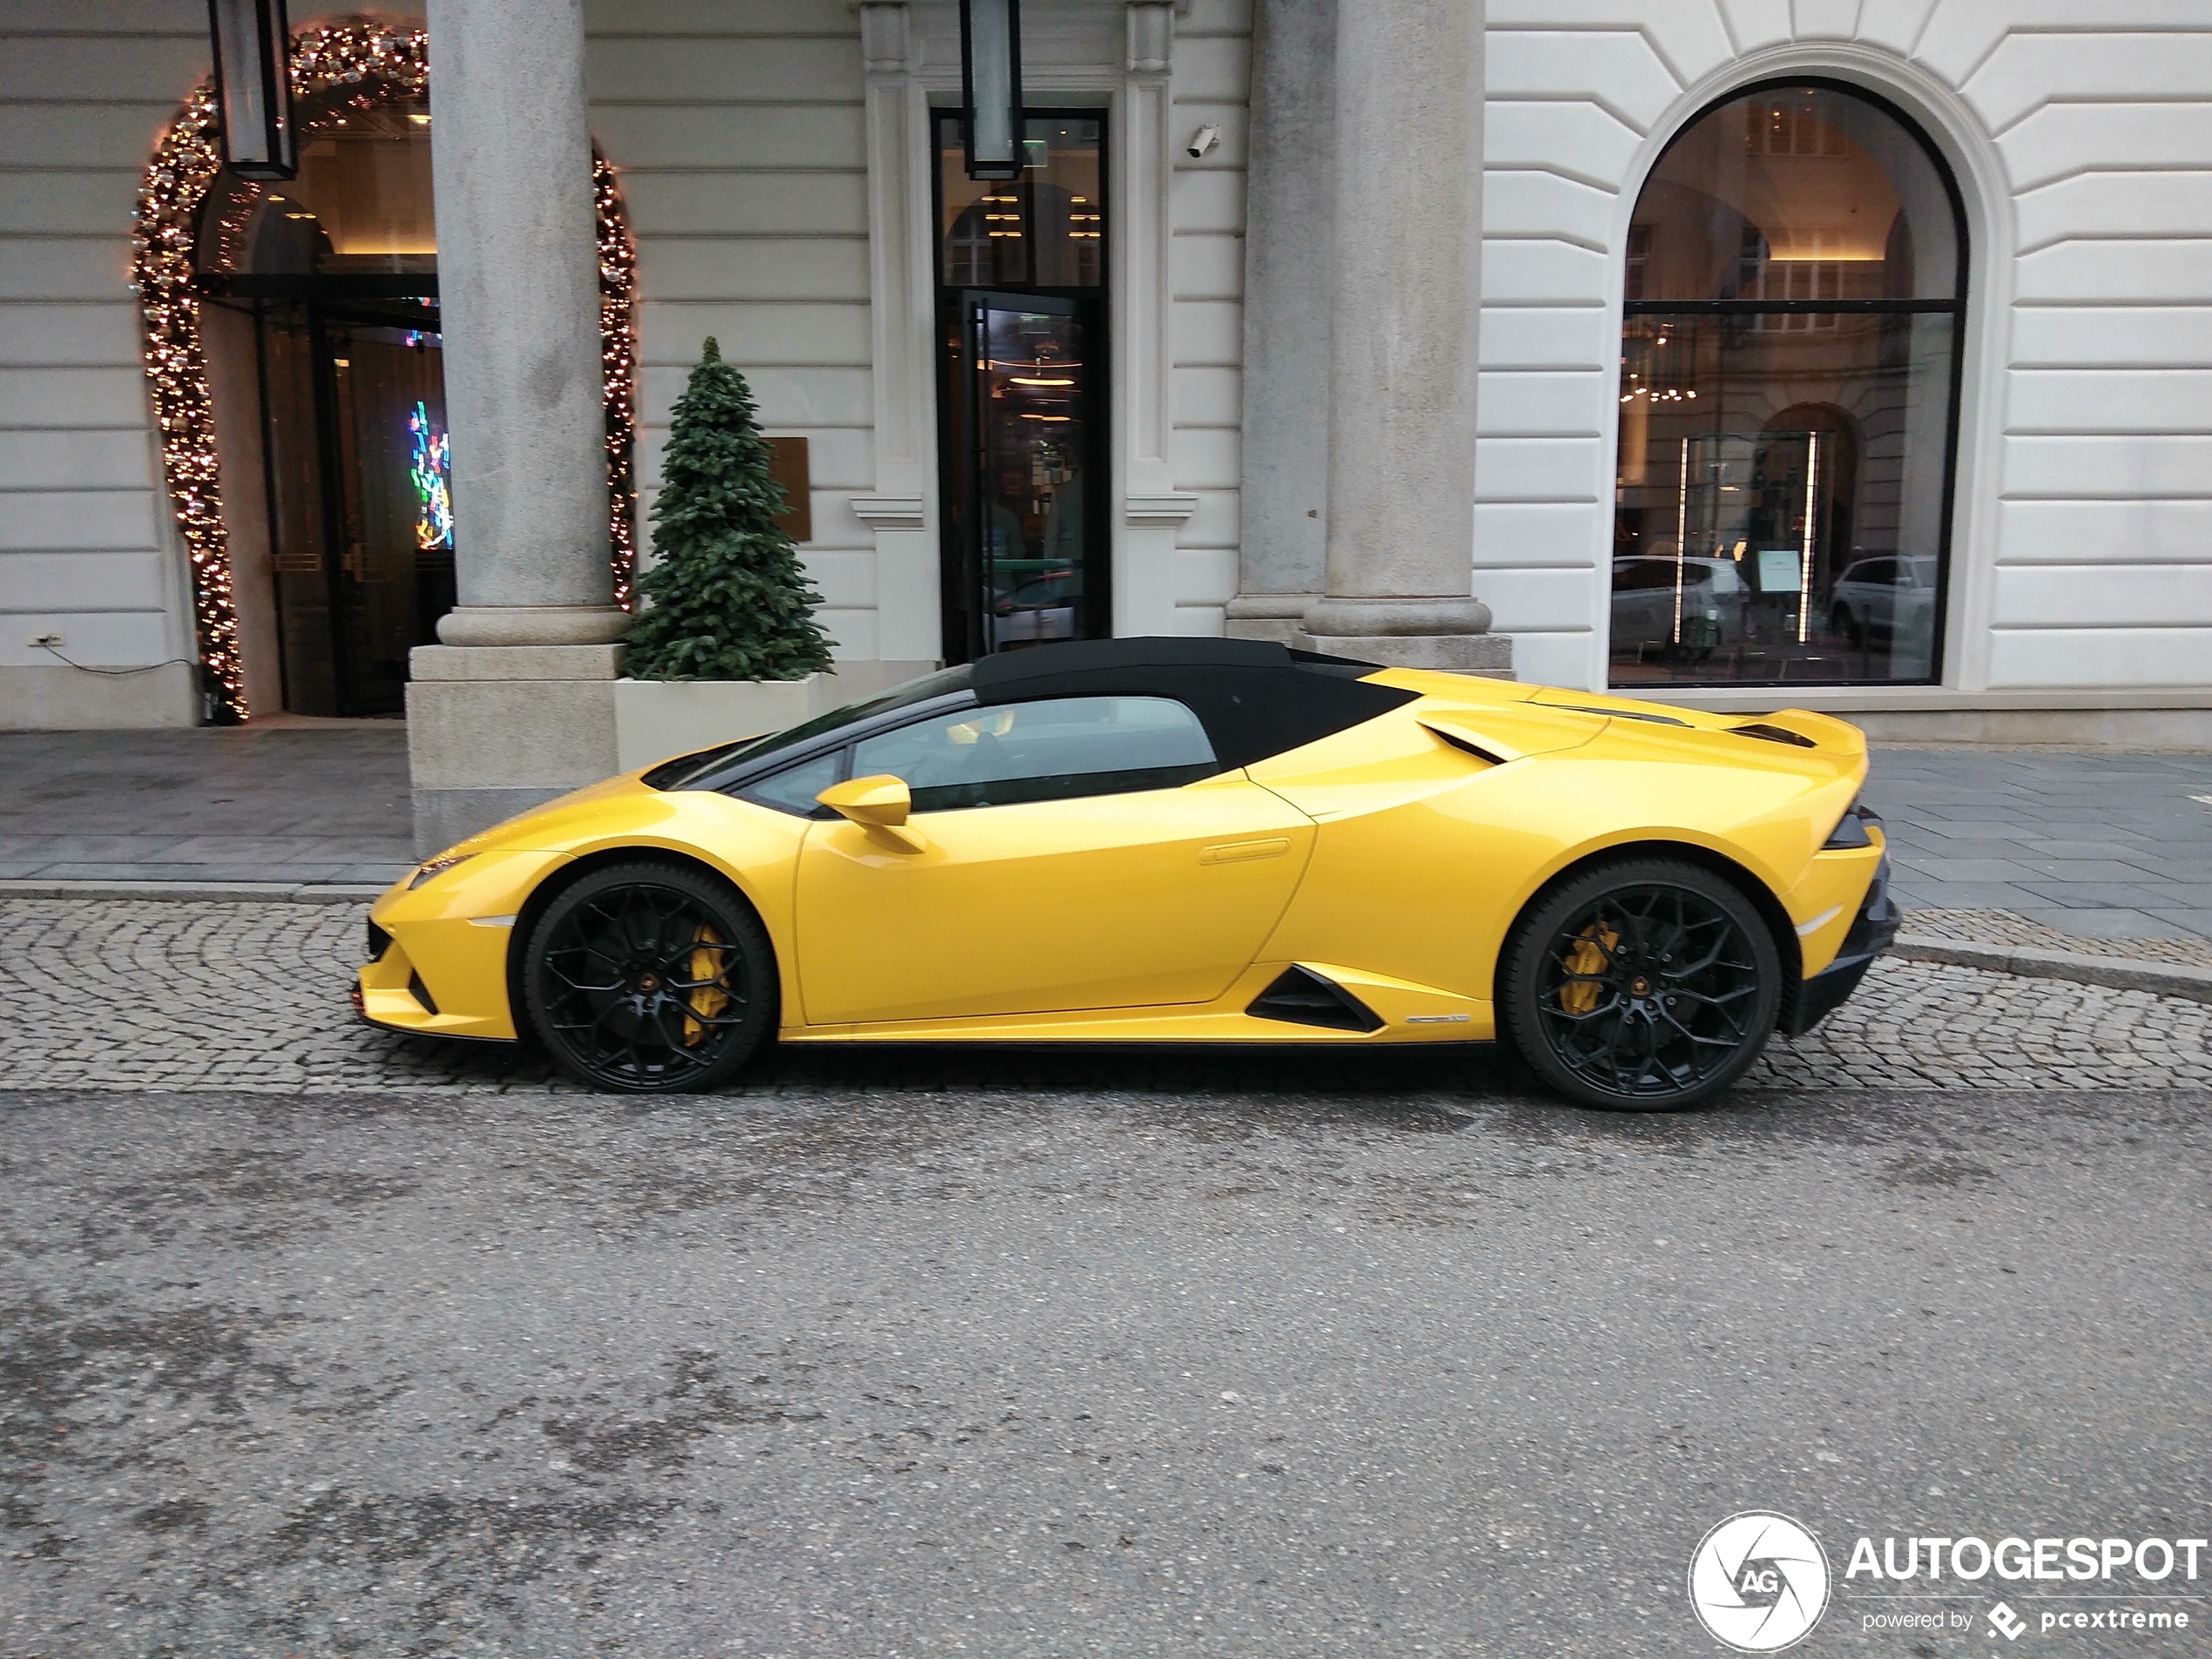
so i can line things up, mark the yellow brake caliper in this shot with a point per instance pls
(708, 999)
(1586, 961)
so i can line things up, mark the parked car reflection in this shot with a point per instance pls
(1644, 612)
(1040, 609)
(1890, 600)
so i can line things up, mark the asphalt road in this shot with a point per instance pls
(1007, 1356)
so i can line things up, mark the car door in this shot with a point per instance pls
(1075, 852)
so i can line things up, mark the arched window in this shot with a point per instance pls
(1790, 353)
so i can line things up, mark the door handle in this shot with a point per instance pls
(1243, 851)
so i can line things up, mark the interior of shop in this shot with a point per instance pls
(1789, 386)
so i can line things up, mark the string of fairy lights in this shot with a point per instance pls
(619, 355)
(366, 63)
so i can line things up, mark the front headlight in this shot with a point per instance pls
(437, 866)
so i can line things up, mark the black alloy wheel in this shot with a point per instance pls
(650, 978)
(1644, 985)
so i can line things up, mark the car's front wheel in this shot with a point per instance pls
(1644, 984)
(650, 978)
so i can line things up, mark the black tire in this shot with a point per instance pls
(650, 977)
(1647, 984)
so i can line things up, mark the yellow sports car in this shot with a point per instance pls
(1173, 841)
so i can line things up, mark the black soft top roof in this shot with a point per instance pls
(1256, 698)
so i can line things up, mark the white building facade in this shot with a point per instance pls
(2030, 448)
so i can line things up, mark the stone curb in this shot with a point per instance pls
(260, 892)
(2118, 973)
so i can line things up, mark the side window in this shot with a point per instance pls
(793, 791)
(1054, 750)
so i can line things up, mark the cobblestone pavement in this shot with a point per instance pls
(253, 996)
(1983, 926)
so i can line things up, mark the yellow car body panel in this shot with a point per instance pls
(1412, 1014)
(1158, 898)
(1424, 884)
(1390, 858)
(753, 847)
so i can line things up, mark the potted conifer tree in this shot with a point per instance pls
(725, 643)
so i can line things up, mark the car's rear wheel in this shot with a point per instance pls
(1644, 984)
(650, 978)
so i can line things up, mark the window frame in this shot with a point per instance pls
(1955, 308)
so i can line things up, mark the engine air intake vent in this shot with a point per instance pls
(1775, 734)
(1299, 996)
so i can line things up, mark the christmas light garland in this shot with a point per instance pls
(619, 355)
(380, 65)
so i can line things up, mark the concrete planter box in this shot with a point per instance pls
(657, 719)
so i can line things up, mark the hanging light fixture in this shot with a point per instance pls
(252, 87)
(990, 86)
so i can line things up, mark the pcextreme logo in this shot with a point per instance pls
(1758, 1583)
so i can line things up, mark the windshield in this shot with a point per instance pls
(682, 771)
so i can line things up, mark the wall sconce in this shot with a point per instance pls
(990, 84)
(253, 86)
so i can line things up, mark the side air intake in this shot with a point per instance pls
(1300, 996)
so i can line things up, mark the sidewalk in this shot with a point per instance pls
(317, 804)
(2100, 853)
(2095, 852)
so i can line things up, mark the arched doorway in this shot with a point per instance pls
(293, 346)
(332, 280)
(1791, 347)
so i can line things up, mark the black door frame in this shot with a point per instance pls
(965, 582)
(960, 418)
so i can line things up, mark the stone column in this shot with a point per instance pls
(518, 291)
(1404, 322)
(516, 704)
(1290, 183)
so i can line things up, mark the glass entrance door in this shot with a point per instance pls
(1024, 439)
(362, 517)
(1024, 515)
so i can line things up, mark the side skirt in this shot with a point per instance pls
(1410, 1014)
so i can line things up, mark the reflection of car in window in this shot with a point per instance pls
(1713, 590)
(1885, 599)
(1041, 608)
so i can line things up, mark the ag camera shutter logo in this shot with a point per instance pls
(1758, 1583)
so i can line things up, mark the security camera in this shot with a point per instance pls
(1203, 140)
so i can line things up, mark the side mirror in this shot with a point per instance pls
(880, 803)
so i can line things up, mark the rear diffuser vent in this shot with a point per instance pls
(1299, 996)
